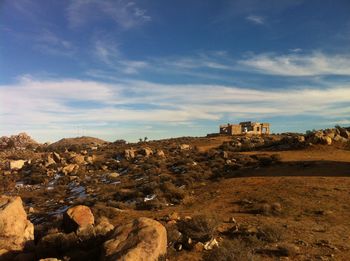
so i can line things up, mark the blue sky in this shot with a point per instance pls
(128, 69)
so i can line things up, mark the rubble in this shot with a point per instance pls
(20, 141)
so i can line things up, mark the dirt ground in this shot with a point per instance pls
(313, 188)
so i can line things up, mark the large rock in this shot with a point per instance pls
(78, 217)
(70, 168)
(160, 153)
(49, 161)
(56, 157)
(77, 159)
(16, 164)
(143, 239)
(146, 151)
(343, 132)
(16, 231)
(339, 138)
(326, 140)
(185, 147)
(129, 153)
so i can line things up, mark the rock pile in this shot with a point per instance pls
(140, 239)
(328, 136)
(20, 141)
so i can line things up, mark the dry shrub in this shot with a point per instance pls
(266, 209)
(172, 193)
(230, 250)
(200, 228)
(270, 233)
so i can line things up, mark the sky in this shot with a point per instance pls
(125, 69)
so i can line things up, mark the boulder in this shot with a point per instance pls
(49, 161)
(16, 231)
(140, 240)
(56, 157)
(301, 138)
(146, 152)
(78, 217)
(339, 138)
(70, 168)
(103, 227)
(160, 153)
(90, 159)
(129, 154)
(343, 132)
(185, 147)
(326, 140)
(77, 159)
(16, 164)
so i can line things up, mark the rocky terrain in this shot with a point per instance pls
(275, 197)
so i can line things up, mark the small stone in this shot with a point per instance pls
(77, 217)
(113, 175)
(199, 247)
(211, 244)
(174, 216)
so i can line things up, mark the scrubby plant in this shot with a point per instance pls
(199, 228)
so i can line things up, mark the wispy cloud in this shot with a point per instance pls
(107, 51)
(32, 103)
(48, 42)
(296, 50)
(126, 14)
(255, 19)
(313, 64)
(215, 65)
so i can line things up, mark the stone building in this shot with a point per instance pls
(246, 127)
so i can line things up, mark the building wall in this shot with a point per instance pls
(236, 129)
(245, 127)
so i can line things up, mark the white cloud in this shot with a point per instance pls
(48, 42)
(58, 106)
(296, 50)
(313, 64)
(256, 19)
(107, 51)
(124, 13)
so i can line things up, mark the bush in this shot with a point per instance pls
(230, 250)
(172, 193)
(269, 233)
(200, 228)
